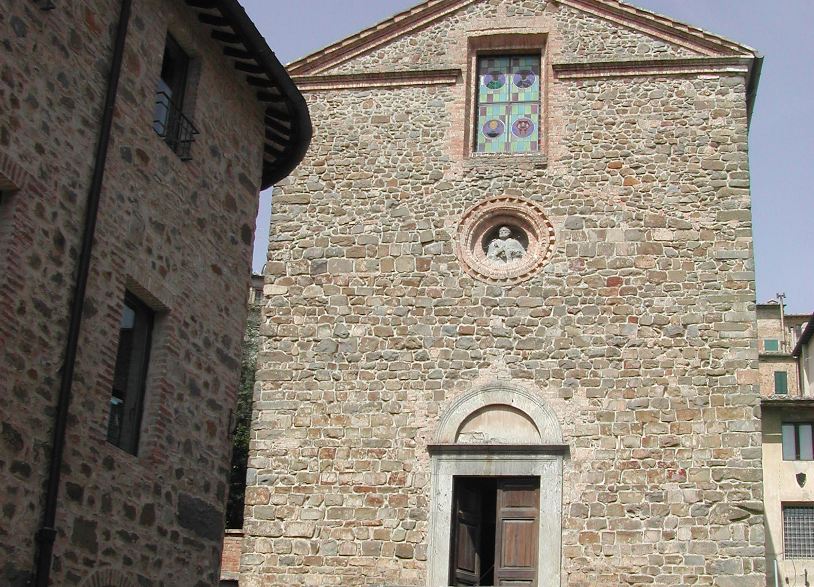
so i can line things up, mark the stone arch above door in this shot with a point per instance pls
(498, 430)
(467, 419)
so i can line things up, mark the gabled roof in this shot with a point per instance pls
(288, 124)
(423, 14)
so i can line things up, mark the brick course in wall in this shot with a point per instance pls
(639, 332)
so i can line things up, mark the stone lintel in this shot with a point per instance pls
(528, 449)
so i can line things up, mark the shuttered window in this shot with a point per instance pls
(781, 382)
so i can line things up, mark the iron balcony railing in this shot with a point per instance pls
(171, 125)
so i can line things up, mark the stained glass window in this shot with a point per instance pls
(508, 118)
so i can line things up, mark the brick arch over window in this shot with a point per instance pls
(108, 578)
(500, 394)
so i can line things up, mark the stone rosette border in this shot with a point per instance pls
(483, 218)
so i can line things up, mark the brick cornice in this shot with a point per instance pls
(376, 36)
(644, 21)
(352, 81)
(562, 70)
(633, 67)
(661, 27)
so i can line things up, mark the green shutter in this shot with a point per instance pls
(771, 345)
(781, 382)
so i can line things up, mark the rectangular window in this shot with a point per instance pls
(781, 382)
(6, 228)
(798, 441)
(169, 120)
(129, 378)
(771, 345)
(508, 104)
(798, 531)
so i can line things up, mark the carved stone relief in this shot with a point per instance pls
(504, 240)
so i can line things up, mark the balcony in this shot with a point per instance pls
(171, 125)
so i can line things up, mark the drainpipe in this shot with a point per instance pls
(47, 532)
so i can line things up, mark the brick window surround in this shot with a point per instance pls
(130, 375)
(506, 46)
(174, 98)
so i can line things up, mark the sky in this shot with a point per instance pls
(782, 132)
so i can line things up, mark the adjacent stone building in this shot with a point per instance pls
(134, 138)
(509, 334)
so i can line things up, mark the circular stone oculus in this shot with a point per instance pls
(504, 240)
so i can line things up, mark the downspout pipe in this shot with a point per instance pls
(47, 532)
(751, 89)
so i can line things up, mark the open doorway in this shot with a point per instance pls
(494, 531)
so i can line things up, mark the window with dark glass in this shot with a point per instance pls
(169, 120)
(129, 378)
(508, 104)
(798, 531)
(6, 218)
(781, 382)
(798, 442)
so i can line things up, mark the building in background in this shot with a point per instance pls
(804, 353)
(509, 333)
(778, 334)
(135, 136)
(233, 537)
(788, 443)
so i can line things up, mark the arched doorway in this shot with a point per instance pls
(496, 491)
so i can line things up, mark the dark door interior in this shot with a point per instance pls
(494, 531)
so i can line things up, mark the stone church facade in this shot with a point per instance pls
(509, 334)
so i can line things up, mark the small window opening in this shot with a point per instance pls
(781, 382)
(6, 228)
(169, 120)
(771, 345)
(130, 375)
(798, 441)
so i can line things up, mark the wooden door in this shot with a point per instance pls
(466, 535)
(518, 506)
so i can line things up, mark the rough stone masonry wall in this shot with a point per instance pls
(639, 332)
(177, 234)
